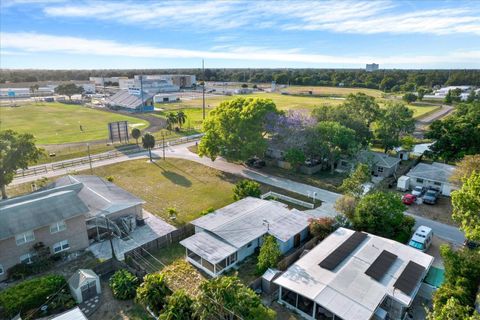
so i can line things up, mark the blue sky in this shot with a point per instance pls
(292, 34)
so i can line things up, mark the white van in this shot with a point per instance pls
(422, 238)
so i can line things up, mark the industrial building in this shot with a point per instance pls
(165, 98)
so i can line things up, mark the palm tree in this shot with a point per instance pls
(148, 142)
(34, 88)
(181, 118)
(171, 120)
(136, 134)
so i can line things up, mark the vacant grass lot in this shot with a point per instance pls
(60, 123)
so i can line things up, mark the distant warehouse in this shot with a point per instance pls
(131, 100)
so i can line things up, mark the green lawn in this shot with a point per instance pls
(182, 184)
(60, 123)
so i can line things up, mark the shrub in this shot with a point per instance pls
(124, 284)
(246, 188)
(322, 227)
(206, 211)
(110, 179)
(269, 254)
(179, 306)
(23, 270)
(153, 292)
(29, 294)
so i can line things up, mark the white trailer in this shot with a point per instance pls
(403, 183)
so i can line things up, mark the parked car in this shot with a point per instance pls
(471, 244)
(418, 191)
(409, 199)
(422, 238)
(430, 196)
(255, 162)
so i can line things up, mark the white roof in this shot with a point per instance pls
(208, 246)
(347, 291)
(74, 314)
(82, 276)
(436, 171)
(246, 220)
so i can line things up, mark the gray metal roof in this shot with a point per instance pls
(73, 314)
(208, 246)
(99, 195)
(39, 209)
(439, 172)
(81, 276)
(127, 100)
(377, 158)
(248, 219)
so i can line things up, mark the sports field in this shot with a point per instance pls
(62, 123)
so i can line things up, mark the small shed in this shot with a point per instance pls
(268, 286)
(84, 284)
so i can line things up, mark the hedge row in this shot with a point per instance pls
(29, 294)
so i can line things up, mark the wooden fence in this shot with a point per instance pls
(288, 260)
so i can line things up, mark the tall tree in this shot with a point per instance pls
(136, 134)
(228, 298)
(363, 105)
(381, 213)
(17, 151)
(148, 142)
(153, 292)
(181, 118)
(68, 89)
(458, 134)
(466, 206)
(333, 140)
(269, 254)
(395, 121)
(236, 129)
(465, 168)
(33, 89)
(171, 120)
(296, 157)
(353, 185)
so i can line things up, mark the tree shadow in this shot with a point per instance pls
(177, 178)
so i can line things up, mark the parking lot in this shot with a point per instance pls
(440, 211)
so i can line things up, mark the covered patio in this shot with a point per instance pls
(210, 254)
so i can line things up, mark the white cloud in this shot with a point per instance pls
(359, 17)
(44, 43)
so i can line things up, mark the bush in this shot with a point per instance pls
(322, 227)
(246, 188)
(153, 292)
(29, 294)
(206, 211)
(269, 254)
(124, 284)
(23, 270)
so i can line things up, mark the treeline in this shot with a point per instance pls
(386, 80)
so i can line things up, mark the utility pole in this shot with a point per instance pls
(163, 143)
(89, 158)
(203, 88)
(110, 236)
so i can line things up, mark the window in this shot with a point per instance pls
(2, 271)
(24, 238)
(437, 183)
(419, 180)
(27, 258)
(58, 226)
(249, 245)
(61, 246)
(380, 169)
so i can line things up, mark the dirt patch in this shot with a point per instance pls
(283, 313)
(441, 211)
(112, 308)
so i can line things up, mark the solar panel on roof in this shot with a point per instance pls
(339, 254)
(381, 265)
(409, 278)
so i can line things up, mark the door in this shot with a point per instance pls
(296, 240)
(89, 290)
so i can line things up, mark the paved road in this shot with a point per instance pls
(441, 230)
(444, 231)
(422, 124)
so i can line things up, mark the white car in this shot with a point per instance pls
(418, 191)
(421, 239)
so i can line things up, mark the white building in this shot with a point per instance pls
(100, 81)
(230, 234)
(442, 92)
(165, 98)
(435, 175)
(354, 275)
(370, 67)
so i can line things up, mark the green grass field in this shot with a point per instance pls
(60, 123)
